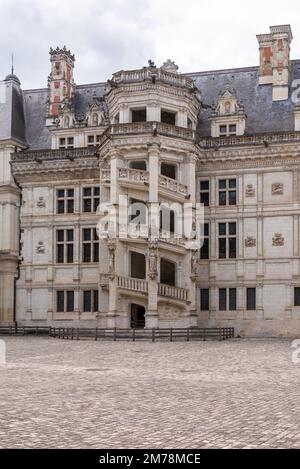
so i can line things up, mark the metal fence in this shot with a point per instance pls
(114, 334)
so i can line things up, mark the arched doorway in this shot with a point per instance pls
(137, 318)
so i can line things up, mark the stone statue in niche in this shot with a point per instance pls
(67, 121)
(40, 249)
(95, 119)
(250, 242)
(278, 239)
(41, 202)
(227, 107)
(111, 257)
(250, 191)
(194, 265)
(277, 188)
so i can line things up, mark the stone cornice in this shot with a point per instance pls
(55, 170)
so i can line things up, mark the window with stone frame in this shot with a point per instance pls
(225, 130)
(90, 245)
(65, 246)
(204, 299)
(65, 301)
(204, 250)
(66, 142)
(65, 200)
(251, 299)
(227, 299)
(227, 240)
(227, 191)
(204, 193)
(90, 301)
(93, 140)
(296, 296)
(90, 199)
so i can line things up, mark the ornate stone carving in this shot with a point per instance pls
(153, 261)
(111, 257)
(278, 239)
(277, 188)
(250, 190)
(250, 242)
(40, 248)
(194, 266)
(41, 202)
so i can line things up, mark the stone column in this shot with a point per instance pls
(153, 155)
(152, 312)
(8, 266)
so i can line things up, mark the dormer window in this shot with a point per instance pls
(228, 116)
(138, 115)
(93, 140)
(168, 117)
(66, 142)
(227, 130)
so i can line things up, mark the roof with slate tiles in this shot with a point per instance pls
(263, 114)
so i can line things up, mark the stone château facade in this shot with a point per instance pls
(227, 139)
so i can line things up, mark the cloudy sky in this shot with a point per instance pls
(108, 35)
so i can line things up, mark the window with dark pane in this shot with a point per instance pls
(90, 247)
(297, 296)
(60, 301)
(232, 299)
(251, 298)
(65, 201)
(222, 299)
(91, 199)
(204, 299)
(70, 301)
(204, 193)
(204, 250)
(87, 301)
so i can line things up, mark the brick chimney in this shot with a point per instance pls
(60, 82)
(274, 68)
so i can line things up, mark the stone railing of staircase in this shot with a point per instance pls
(178, 293)
(160, 128)
(135, 284)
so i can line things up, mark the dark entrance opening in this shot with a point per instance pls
(168, 117)
(138, 115)
(168, 170)
(167, 272)
(137, 317)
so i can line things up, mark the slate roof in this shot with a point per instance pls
(35, 102)
(12, 121)
(263, 115)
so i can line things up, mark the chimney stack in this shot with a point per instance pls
(274, 49)
(60, 82)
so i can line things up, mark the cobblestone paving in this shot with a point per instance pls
(235, 394)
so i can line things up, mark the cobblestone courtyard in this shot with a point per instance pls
(240, 394)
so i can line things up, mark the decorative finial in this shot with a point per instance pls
(12, 63)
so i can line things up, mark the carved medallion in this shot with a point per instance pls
(250, 242)
(277, 188)
(278, 239)
(250, 191)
